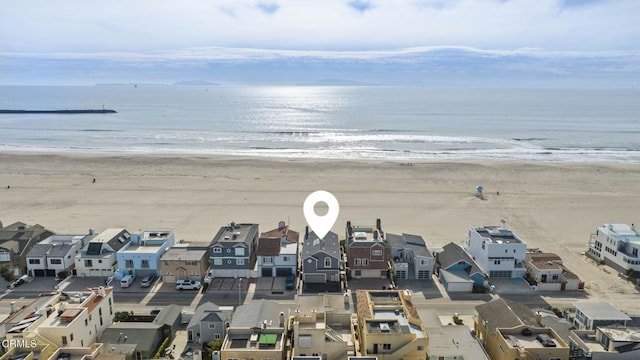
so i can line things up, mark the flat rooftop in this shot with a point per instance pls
(182, 253)
(146, 249)
(397, 322)
(622, 334)
(518, 340)
(499, 235)
(264, 341)
(622, 232)
(235, 233)
(601, 311)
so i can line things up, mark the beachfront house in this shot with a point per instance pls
(16, 240)
(509, 330)
(498, 250)
(368, 253)
(410, 257)
(389, 326)
(232, 252)
(209, 323)
(547, 273)
(616, 245)
(72, 319)
(184, 262)
(142, 256)
(320, 263)
(98, 258)
(606, 343)
(258, 330)
(277, 253)
(56, 254)
(457, 271)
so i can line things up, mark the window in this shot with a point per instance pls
(357, 262)
(64, 341)
(420, 347)
(34, 261)
(55, 261)
(386, 346)
(327, 262)
(212, 325)
(239, 251)
(100, 311)
(377, 252)
(239, 261)
(144, 264)
(217, 261)
(191, 263)
(555, 358)
(216, 336)
(304, 340)
(365, 262)
(128, 264)
(71, 337)
(99, 261)
(217, 250)
(424, 262)
(86, 322)
(286, 258)
(5, 256)
(267, 260)
(88, 263)
(496, 262)
(166, 263)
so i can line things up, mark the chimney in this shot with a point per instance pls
(281, 225)
(281, 319)
(349, 231)
(13, 307)
(375, 234)
(378, 224)
(91, 231)
(306, 233)
(503, 224)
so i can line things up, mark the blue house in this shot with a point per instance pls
(457, 270)
(142, 257)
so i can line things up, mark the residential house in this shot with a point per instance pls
(277, 253)
(96, 351)
(75, 319)
(389, 326)
(457, 271)
(141, 340)
(616, 245)
(233, 251)
(498, 250)
(509, 330)
(55, 254)
(209, 323)
(548, 273)
(368, 253)
(142, 256)
(450, 341)
(184, 262)
(411, 257)
(15, 242)
(258, 330)
(589, 316)
(321, 259)
(322, 327)
(606, 343)
(98, 258)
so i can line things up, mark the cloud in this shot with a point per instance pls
(361, 5)
(268, 8)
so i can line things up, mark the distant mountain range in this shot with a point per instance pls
(194, 83)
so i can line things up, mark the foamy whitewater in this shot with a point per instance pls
(396, 123)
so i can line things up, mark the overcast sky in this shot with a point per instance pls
(152, 33)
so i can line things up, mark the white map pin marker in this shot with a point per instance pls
(321, 225)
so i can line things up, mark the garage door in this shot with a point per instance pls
(267, 272)
(50, 272)
(315, 278)
(171, 279)
(501, 274)
(38, 273)
(283, 271)
(460, 287)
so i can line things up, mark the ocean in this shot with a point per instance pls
(333, 122)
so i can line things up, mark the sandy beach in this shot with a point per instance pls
(552, 206)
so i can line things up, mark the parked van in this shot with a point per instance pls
(126, 281)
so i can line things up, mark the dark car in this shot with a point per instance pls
(291, 282)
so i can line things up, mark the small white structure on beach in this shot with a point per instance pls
(617, 245)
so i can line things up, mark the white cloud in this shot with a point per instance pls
(85, 26)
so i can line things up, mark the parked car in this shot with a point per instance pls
(291, 282)
(127, 281)
(187, 285)
(147, 281)
(21, 280)
(209, 278)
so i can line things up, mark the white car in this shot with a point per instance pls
(187, 285)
